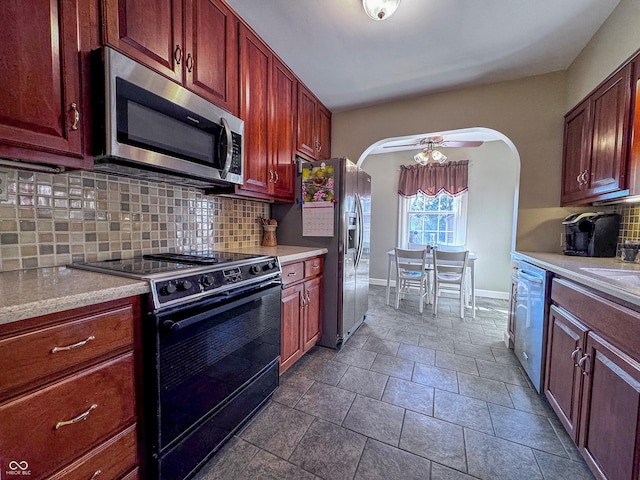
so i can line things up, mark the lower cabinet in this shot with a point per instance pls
(68, 398)
(592, 378)
(301, 309)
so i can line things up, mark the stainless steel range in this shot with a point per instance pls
(211, 346)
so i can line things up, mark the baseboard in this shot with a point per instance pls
(382, 282)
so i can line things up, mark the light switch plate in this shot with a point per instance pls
(4, 185)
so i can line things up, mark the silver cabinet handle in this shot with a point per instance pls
(581, 364)
(96, 474)
(292, 274)
(315, 267)
(177, 54)
(574, 354)
(303, 301)
(308, 298)
(276, 176)
(71, 347)
(76, 116)
(79, 418)
(271, 177)
(189, 62)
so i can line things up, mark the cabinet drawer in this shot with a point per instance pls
(292, 272)
(41, 353)
(112, 459)
(100, 400)
(618, 324)
(313, 267)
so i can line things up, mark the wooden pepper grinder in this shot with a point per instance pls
(269, 233)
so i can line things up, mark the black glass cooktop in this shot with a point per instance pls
(149, 265)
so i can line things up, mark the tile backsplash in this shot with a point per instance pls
(48, 220)
(630, 225)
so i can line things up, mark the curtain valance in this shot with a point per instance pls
(432, 179)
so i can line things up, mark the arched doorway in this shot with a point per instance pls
(494, 173)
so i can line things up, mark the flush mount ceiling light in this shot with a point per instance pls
(380, 9)
(430, 153)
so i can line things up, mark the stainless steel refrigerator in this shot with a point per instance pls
(346, 273)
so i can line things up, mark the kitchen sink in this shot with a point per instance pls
(629, 277)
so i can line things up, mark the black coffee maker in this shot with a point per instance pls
(592, 234)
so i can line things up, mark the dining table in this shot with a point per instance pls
(391, 254)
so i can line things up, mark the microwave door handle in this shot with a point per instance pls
(227, 162)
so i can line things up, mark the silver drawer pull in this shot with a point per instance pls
(79, 418)
(315, 267)
(96, 474)
(71, 347)
(292, 274)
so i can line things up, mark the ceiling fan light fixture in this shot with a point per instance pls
(438, 156)
(380, 9)
(422, 158)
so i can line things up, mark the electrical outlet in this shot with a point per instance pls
(4, 185)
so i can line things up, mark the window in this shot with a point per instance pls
(433, 220)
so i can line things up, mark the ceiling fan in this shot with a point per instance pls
(429, 152)
(439, 141)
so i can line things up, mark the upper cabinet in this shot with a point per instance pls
(314, 126)
(267, 105)
(194, 42)
(42, 118)
(596, 143)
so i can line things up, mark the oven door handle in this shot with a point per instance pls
(169, 325)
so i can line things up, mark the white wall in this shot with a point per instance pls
(492, 183)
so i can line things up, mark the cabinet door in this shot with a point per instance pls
(291, 333)
(312, 312)
(324, 133)
(283, 105)
(610, 411)
(610, 108)
(255, 63)
(211, 52)
(40, 78)
(565, 346)
(149, 31)
(576, 153)
(306, 137)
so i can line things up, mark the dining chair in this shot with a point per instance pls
(412, 270)
(449, 276)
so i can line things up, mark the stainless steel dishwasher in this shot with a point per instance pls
(531, 312)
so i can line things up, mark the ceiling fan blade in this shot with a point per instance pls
(404, 145)
(462, 143)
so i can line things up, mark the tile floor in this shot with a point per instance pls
(408, 397)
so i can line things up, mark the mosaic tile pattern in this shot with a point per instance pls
(50, 220)
(630, 225)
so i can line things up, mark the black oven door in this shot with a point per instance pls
(215, 364)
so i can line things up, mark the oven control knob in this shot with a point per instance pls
(270, 266)
(169, 288)
(184, 285)
(207, 280)
(255, 269)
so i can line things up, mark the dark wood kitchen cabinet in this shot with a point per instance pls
(314, 126)
(42, 115)
(68, 392)
(592, 377)
(267, 105)
(194, 42)
(301, 309)
(596, 142)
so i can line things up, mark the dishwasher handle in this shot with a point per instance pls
(528, 277)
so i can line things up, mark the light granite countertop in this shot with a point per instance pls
(34, 292)
(577, 269)
(41, 291)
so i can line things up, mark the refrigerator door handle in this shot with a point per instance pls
(360, 233)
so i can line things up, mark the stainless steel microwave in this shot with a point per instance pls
(151, 128)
